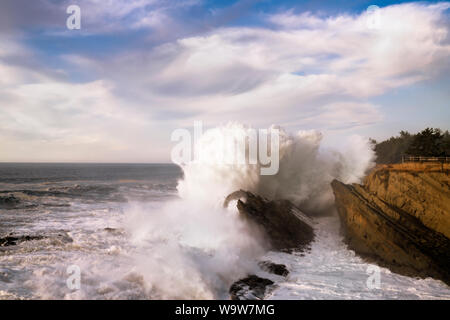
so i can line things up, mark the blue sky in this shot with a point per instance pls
(137, 70)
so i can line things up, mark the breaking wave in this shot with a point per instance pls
(194, 248)
(305, 168)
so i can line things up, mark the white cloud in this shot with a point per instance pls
(310, 71)
(237, 73)
(97, 16)
(45, 119)
(291, 20)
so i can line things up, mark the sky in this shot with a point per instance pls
(115, 89)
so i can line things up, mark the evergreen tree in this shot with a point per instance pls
(392, 150)
(427, 143)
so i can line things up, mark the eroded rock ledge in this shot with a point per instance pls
(284, 226)
(400, 218)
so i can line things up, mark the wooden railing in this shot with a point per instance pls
(425, 159)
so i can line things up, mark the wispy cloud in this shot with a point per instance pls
(298, 70)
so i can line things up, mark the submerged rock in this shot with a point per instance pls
(275, 268)
(9, 201)
(113, 231)
(250, 288)
(400, 218)
(285, 226)
(14, 240)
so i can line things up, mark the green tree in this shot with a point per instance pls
(446, 144)
(427, 143)
(392, 150)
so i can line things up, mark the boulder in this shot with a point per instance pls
(283, 224)
(275, 268)
(250, 288)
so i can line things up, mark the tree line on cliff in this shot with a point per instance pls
(430, 142)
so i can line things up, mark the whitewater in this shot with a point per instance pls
(160, 231)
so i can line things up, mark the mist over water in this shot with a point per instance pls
(305, 168)
(156, 232)
(194, 247)
(189, 250)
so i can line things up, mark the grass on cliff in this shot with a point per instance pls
(415, 166)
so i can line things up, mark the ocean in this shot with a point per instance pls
(132, 234)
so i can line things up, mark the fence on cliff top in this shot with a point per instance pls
(426, 159)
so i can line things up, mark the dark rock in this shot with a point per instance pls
(285, 226)
(275, 268)
(57, 205)
(250, 288)
(395, 219)
(113, 231)
(62, 237)
(9, 201)
(237, 195)
(11, 240)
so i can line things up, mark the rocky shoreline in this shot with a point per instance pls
(283, 226)
(400, 218)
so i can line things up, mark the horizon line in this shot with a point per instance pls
(80, 162)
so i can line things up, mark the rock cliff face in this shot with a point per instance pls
(400, 217)
(284, 225)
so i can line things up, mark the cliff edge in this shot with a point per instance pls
(400, 218)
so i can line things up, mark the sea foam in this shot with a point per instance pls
(194, 248)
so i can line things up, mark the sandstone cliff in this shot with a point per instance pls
(400, 217)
